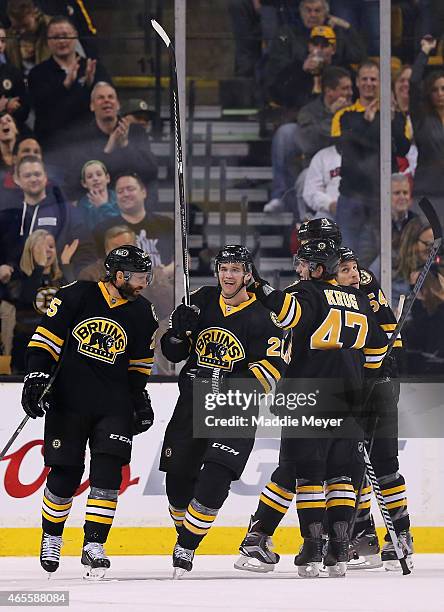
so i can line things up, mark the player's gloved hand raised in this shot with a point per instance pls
(260, 286)
(35, 383)
(143, 417)
(184, 321)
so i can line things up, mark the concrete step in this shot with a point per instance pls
(232, 195)
(268, 265)
(218, 149)
(257, 219)
(233, 173)
(214, 241)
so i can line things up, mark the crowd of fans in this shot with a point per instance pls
(317, 71)
(77, 176)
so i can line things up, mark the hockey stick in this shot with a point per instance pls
(432, 218)
(179, 161)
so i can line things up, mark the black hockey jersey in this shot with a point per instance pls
(243, 341)
(380, 306)
(107, 345)
(334, 330)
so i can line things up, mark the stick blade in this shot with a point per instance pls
(426, 206)
(161, 32)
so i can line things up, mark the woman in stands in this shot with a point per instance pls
(39, 279)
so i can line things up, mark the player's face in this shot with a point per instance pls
(232, 278)
(133, 287)
(302, 268)
(348, 274)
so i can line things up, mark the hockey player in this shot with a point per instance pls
(104, 333)
(327, 320)
(276, 497)
(226, 332)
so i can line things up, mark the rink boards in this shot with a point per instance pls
(142, 524)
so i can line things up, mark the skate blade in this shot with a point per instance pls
(311, 570)
(394, 566)
(94, 573)
(365, 562)
(178, 573)
(250, 564)
(338, 570)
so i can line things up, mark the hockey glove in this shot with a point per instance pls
(184, 321)
(35, 384)
(143, 413)
(260, 287)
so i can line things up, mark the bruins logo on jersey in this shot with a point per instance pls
(366, 277)
(218, 348)
(100, 338)
(43, 298)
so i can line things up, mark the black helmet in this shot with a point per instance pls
(323, 252)
(320, 229)
(128, 258)
(234, 253)
(346, 254)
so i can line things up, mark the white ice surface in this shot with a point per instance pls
(144, 583)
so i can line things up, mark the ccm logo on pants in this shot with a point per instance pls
(120, 438)
(225, 448)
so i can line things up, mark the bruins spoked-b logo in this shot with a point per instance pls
(218, 347)
(100, 338)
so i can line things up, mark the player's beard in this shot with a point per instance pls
(128, 292)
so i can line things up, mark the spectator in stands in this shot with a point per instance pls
(427, 115)
(37, 208)
(363, 15)
(288, 49)
(38, 280)
(154, 233)
(425, 329)
(401, 88)
(321, 186)
(116, 141)
(28, 23)
(8, 137)
(60, 87)
(99, 202)
(414, 248)
(113, 238)
(24, 146)
(7, 309)
(401, 200)
(13, 96)
(254, 24)
(80, 16)
(358, 129)
(311, 133)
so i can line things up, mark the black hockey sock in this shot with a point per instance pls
(274, 501)
(100, 509)
(55, 511)
(393, 490)
(310, 504)
(363, 517)
(340, 500)
(180, 491)
(196, 524)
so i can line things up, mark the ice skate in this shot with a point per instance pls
(363, 552)
(388, 554)
(337, 551)
(256, 552)
(182, 561)
(50, 552)
(95, 560)
(309, 559)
